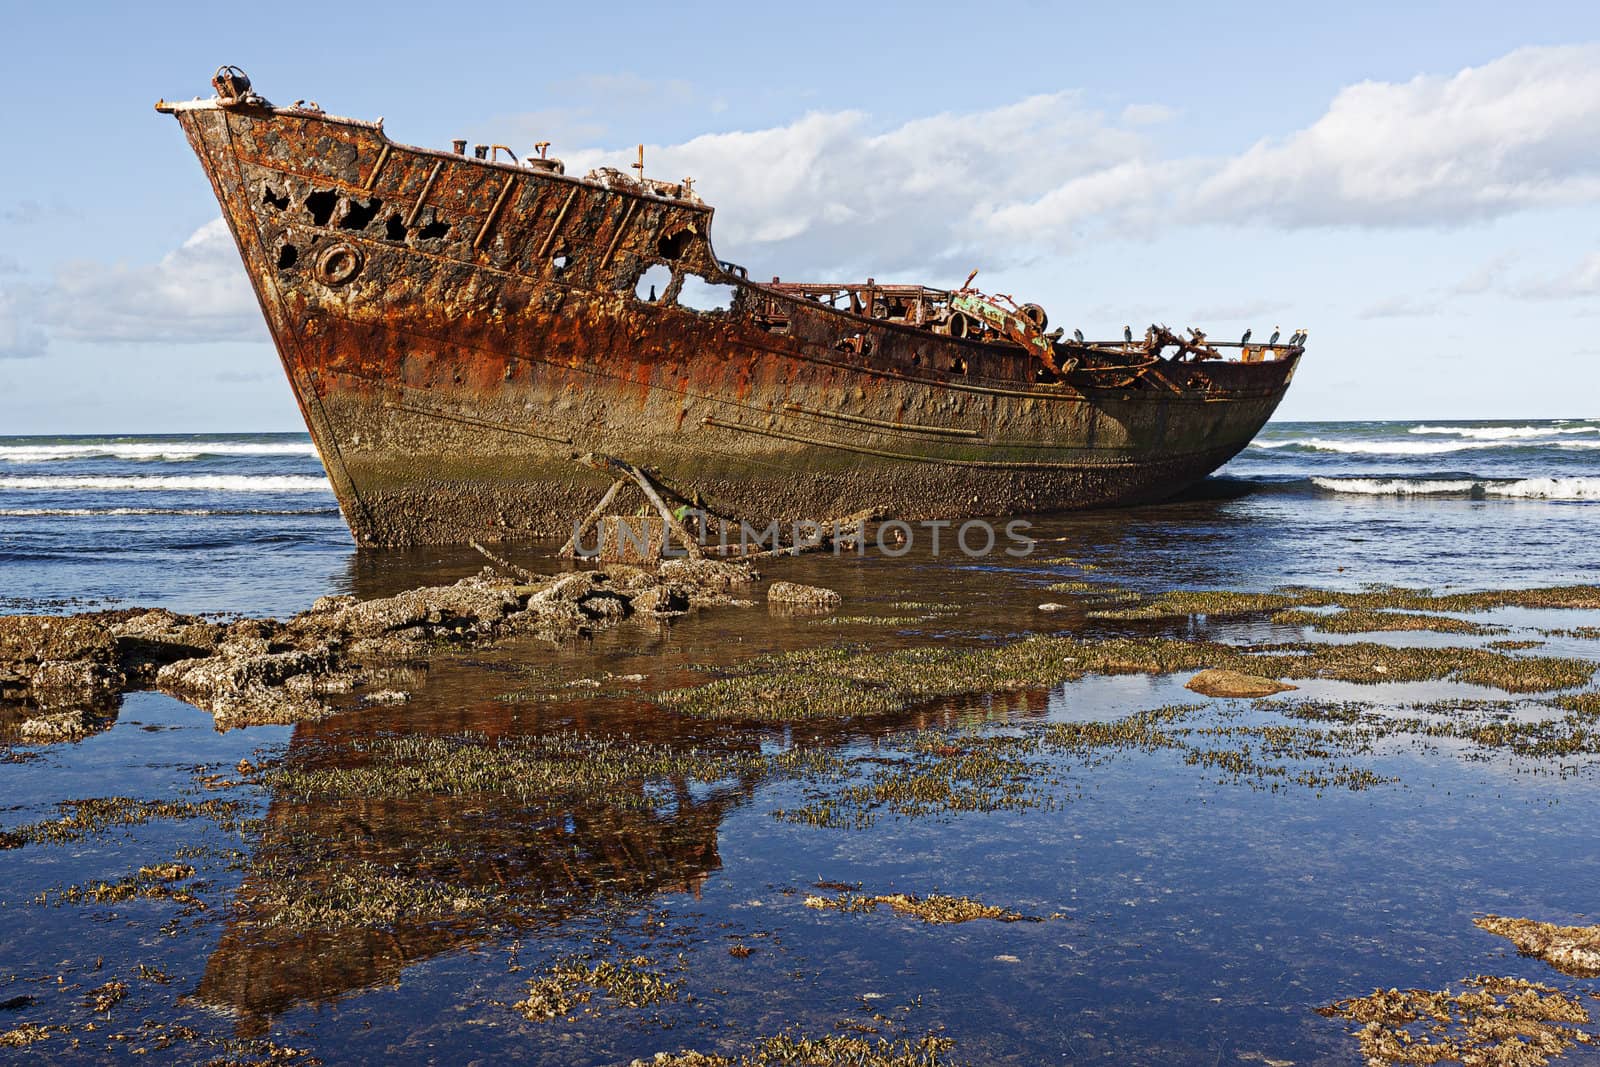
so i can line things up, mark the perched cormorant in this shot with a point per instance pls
(1077, 335)
(1274, 338)
(1245, 339)
(1127, 334)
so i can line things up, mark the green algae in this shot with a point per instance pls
(546, 766)
(81, 819)
(1505, 1021)
(297, 892)
(832, 1050)
(933, 908)
(844, 682)
(565, 986)
(155, 882)
(1179, 604)
(1367, 620)
(1222, 602)
(872, 620)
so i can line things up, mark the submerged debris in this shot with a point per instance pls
(1504, 1021)
(1573, 950)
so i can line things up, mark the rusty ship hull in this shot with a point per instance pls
(457, 329)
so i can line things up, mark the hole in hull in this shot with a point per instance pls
(701, 295)
(673, 245)
(321, 206)
(651, 283)
(357, 216)
(288, 256)
(395, 228)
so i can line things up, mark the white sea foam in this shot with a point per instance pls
(1524, 488)
(1548, 488)
(1396, 486)
(1377, 448)
(168, 451)
(226, 483)
(1503, 433)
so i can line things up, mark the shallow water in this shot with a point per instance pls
(1196, 915)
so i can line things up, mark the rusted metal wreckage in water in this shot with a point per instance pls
(457, 329)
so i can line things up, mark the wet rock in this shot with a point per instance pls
(629, 580)
(321, 684)
(261, 706)
(1228, 683)
(387, 696)
(62, 726)
(149, 640)
(235, 669)
(707, 575)
(473, 604)
(1052, 607)
(570, 588)
(32, 639)
(58, 663)
(75, 683)
(1573, 950)
(605, 605)
(662, 600)
(806, 595)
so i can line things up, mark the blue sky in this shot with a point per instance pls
(1416, 184)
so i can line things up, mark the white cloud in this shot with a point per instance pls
(1580, 281)
(838, 195)
(20, 335)
(1516, 132)
(196, 293)
(828, 193)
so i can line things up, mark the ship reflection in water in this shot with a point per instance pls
(518, 865)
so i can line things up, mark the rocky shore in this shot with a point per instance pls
(66, 674)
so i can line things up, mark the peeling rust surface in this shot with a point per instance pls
(456, 329)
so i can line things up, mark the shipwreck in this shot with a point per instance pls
(458, 328)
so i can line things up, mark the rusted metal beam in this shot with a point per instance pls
(422, 197)
(499, 202)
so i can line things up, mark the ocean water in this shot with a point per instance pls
(1196, 916)
(246, 522)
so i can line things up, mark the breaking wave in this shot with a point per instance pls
(167, 451)
(1415, 448)
(1376, 448)
(1523, 488)
(224, 483)
(1504, 433)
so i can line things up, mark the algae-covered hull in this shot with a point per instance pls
(457, 329)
